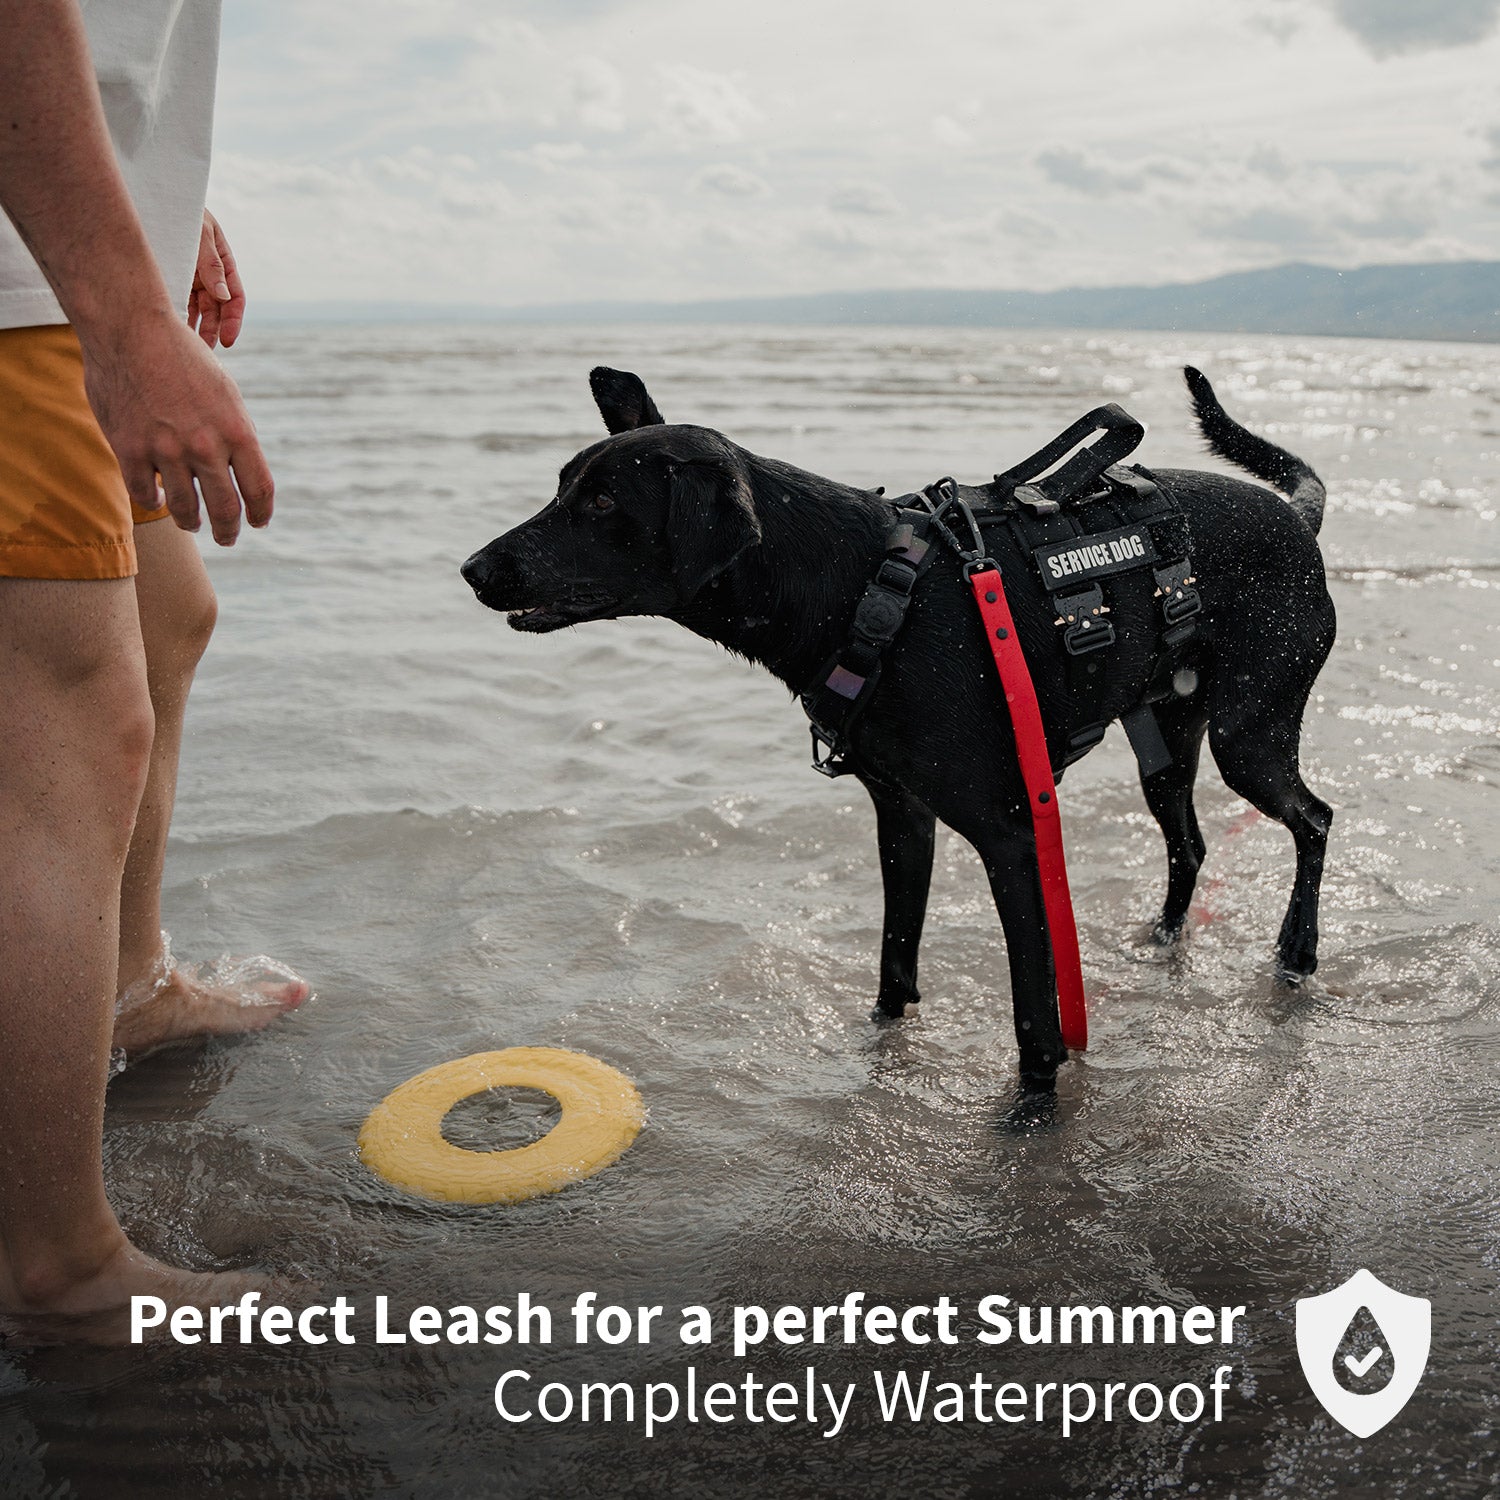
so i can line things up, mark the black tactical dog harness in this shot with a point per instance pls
(1085, 525)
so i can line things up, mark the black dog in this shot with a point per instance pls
(771, 561)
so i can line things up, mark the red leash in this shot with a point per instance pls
(1041, 795)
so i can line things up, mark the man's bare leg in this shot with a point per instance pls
(78, 731)
(177, 610)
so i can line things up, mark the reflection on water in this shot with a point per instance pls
(608, 840)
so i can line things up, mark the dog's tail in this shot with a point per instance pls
(1305, 492)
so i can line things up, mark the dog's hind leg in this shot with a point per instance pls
(1258, 761)
(905, 829)
(1010, 861)
(1169, 795)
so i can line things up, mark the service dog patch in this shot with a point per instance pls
(1086, 557)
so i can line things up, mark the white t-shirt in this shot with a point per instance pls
(156, 62)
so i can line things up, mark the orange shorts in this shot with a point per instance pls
(64, 510)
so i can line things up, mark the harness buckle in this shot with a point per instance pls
(878, 616)
(897, 575)
(1082, 616)
(1174, 587)
(827, 754)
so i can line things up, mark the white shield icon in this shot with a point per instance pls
(1407, 1325)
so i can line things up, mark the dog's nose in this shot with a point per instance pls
(493, 575)
(474, 571)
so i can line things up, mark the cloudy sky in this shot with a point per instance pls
(523, 151)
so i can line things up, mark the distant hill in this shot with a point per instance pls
(1439, 300)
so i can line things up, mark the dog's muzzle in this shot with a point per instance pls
(499, 584)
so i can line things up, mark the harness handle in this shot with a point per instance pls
(1122, 436)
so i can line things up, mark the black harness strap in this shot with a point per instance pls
(1146, 740)
(846, 681)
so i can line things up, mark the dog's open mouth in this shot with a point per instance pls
(539, 618)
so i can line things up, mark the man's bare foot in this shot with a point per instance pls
(181, 1002)
(95, 1309)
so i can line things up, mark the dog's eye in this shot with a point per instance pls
(602, 502)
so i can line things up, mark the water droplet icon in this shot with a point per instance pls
(1362, 1361)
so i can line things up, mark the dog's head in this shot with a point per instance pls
(641, 522)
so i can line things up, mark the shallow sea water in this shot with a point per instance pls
(608, 839)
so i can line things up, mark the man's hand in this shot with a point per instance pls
(161, 398)
(167, 408)
(216, 304)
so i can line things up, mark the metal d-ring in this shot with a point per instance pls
(947, 489)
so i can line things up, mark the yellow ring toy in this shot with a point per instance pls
(602, 1114)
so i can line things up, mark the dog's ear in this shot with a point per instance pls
(711, 521)
(622, 399)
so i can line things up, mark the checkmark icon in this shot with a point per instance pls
(1362, 1366)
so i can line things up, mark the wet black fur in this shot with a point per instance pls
(770, 561)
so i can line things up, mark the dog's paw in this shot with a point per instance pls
(1030, 1108)
(1296, 958)
(892, 1004)
(1167, 932)
(1295, 973)
(1039, 1075)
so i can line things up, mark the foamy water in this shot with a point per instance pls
(608, 839)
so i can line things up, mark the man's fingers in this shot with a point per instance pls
(253, 475)
(231, 318)
(140, 482)
(211, 263)
(210, 319)
(232, 314)
(221, 502)
(182, 497)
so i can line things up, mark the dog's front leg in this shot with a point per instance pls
(1010, 861)
(905, 829)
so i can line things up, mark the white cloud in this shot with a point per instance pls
(869, 199)
(598, 93)
(1270, 161)
(420, 164)
(552, 155)
(1086, 173)
(1490, 166)
(1491, 163)
(698, 105)
(489, 200)
(946, 131)
(731, 182)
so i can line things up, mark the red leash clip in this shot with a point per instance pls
(1041, 796)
